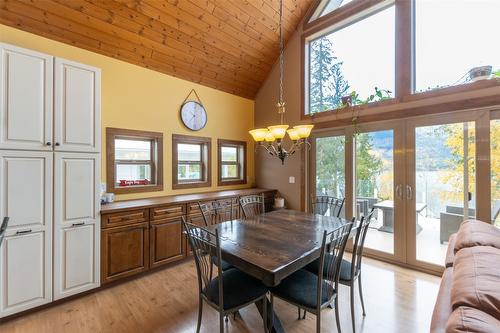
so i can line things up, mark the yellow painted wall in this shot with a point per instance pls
(134, 97)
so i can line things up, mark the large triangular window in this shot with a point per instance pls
(326, 7)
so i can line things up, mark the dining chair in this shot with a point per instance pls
(323, 203)
(230, 290)
(314, 292)
(3, 228)
(209, 214)
(252, 205)
(349, 272)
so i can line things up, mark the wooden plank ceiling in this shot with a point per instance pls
(229, 45)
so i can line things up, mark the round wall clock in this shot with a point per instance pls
(193, 115)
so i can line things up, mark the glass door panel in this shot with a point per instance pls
(374, 167)
(495, 171)
(330, 167)
(444, 186)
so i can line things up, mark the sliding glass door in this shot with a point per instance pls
(441, 183)
(328, 165)
(377, 171)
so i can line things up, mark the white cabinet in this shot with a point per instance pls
(25, 255)
(50, 140)
(76, 223)
(26, 90)
(77, 107)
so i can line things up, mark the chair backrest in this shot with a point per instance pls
(224, 211)
(3, 228)
(206, 248)
(252, 205)
(208, 211)
(323, 204)
(334, 244)
(359, 243)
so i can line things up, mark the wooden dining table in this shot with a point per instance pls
(274, 245)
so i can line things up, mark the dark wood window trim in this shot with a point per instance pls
(206, 161)
(241, 164)
(156, 140)
(404, 66)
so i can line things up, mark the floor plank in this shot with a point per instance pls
(397, 300)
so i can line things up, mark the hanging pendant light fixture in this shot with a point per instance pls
(271, 138)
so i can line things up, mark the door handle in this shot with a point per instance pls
(399, 191)
(409, 192)
(77, 224)
(20, 232)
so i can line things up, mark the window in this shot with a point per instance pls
(452, 38)
(191, 161)
(326, 7)
(231, 162)
(350, 64)
(134, 161)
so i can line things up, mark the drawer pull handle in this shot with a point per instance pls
(77, 224)
(20, 232)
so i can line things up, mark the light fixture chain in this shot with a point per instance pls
(282, 61)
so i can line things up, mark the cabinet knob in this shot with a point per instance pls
(48, 143)
(58, 144)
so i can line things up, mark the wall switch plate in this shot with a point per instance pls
(291, 180)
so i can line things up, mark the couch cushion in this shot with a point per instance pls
(470, 320)
(474, 233)
(476, 279)
(450, 252)
(442, 309)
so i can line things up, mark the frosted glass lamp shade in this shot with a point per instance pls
(303, 130)
(259, 134)
(293, 134)
(278, 131)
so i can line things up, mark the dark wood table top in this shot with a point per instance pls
(177, 199)
(274, 245)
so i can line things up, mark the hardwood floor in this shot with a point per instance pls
(397, 300)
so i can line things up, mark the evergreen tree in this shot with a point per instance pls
(327, 83)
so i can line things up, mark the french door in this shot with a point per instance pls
(420, 176)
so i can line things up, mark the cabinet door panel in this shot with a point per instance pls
(77, 107)
(26, 94)
(125, 251)
(26, 189)
(76, 188)
(166, 243)
(25, 266)
(75, 263)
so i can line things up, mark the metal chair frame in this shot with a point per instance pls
(3, 228)
(357, 256)
(204, 243)
(323, 203)
(252, 205)
(333, 243)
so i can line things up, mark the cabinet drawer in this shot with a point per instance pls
(163, 212)
(125, 218)
(194, 209)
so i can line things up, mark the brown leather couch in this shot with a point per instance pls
(469, 294)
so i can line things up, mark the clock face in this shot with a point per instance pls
(193, 115)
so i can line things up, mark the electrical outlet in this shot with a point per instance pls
(291, 180)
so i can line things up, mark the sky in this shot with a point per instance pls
(451, 36)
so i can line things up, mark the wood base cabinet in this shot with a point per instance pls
(166, 242)
(125, 251)
(136, 239)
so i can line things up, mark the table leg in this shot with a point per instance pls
(277, 327)
(388, 225)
